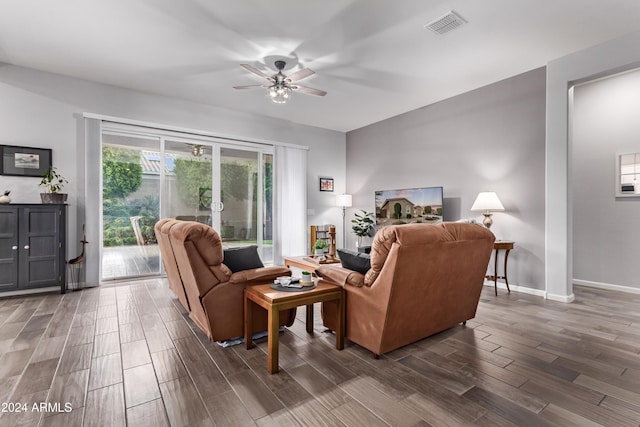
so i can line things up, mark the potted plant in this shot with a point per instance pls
(319, 247)
(52, 182)
(306, 278)
(363, 225)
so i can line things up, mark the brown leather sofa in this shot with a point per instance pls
(423, 279)
(213, 295)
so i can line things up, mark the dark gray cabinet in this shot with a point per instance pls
(32, 246)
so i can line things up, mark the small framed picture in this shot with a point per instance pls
(24, 161)
(326, 184)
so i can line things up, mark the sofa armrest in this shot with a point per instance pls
(259, 275)
(340, 276)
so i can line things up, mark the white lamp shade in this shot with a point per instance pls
(487, 201)
(344, 200)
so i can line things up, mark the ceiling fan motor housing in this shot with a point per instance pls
(281, 85)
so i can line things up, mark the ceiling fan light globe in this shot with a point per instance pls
(279, 94)
(280, 89)
(197, 150)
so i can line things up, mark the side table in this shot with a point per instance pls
(499, 245)
(274, 301)
(307, 263)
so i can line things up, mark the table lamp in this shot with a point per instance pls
(487, 202)
(344, 201)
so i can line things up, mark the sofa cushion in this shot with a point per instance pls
(242, 258)
(355, 261)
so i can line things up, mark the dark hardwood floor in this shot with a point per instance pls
(127, 355)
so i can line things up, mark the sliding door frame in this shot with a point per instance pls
(96, 126)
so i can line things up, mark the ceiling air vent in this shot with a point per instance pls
(446, 23)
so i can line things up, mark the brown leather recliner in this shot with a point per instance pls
(423, 279)
(161, 229)
(213, 293)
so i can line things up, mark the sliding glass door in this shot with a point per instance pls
(131, 169)
(245, 196)
(188, 180)
(147, 177)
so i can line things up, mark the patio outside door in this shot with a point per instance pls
(245, 196)
(224, 187)
(147, 177)
(131, 169)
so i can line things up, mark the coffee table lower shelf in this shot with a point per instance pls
(275, 301)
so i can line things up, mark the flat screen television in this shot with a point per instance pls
(409, 205)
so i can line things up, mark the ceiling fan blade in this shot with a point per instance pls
(299, 75)
(249, 87)
(255, 71)
(309, 90)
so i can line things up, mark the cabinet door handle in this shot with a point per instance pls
(14, 248)
(26, 246)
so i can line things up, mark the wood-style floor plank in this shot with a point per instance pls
(255, 396)
(148, 414)
(629, 410)
(182, 402)
(140, 385)
(105, 371)
(134, 353)
(75, 358)
(12, 363)
(437, 414)
(385, 407)
(105, 407)
(73, 418)
(68, 391)
(128, 354)
(227, 410)
(37, 376)
(353, 414)
(168, 365)
(504, 408)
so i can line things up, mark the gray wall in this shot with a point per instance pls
(39, 109)
(608, 58)
(606, 230)
(490, 139)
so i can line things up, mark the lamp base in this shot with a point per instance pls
(487, 221)
(344, 227)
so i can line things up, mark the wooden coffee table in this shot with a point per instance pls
(274, 301)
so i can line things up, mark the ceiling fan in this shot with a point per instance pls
(281, 86)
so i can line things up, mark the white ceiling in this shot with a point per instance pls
(374, 57)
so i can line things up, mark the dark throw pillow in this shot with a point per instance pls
(355, 261)
(242, 258)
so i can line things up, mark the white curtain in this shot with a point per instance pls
(89, 201)
(290, 203)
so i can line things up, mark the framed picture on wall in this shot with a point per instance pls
(326, 184)
(24, 161)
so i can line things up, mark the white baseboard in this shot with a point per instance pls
(29, 291)
(536, 292)
(516, 288)
(560, 298)
(607, 286)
